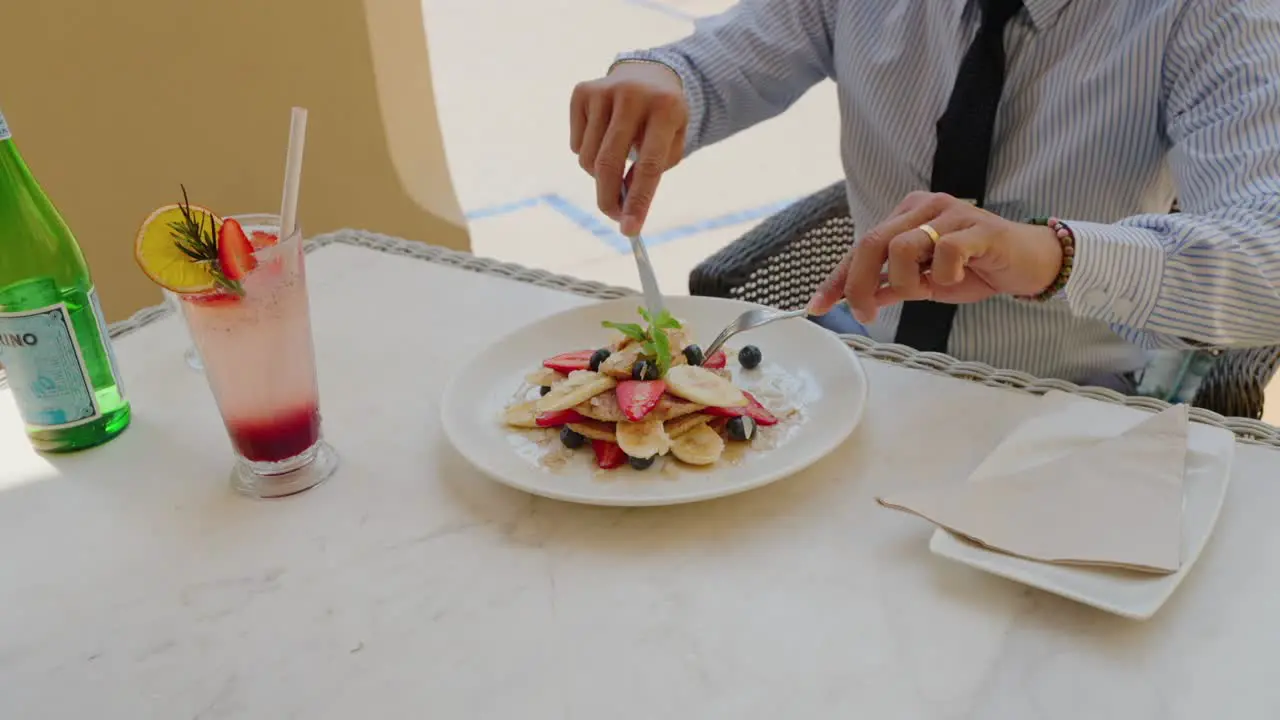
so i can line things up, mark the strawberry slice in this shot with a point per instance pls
(558, 418)
(261, 239)
(753, 409)
(717, 361)
(570, 361)
(213, 299)
(608, 455)
(638, 397)
(235, 252)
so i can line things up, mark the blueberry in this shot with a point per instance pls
(644, 370)
(641, 463)
(598, 357)
(693, 354)
(571, 439)
(544, 390)
(742, 428)
(749, 356)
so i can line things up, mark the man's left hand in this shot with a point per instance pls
(978, 254)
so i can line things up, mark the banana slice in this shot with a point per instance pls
(680, 426)
(643, 439)
(602, 407)
(671, 407)
(595, 430)
(581, 386)
(619, 364)
(544, 377)
(699, 446)
(723, 372)
(521, 415)
(700, 385)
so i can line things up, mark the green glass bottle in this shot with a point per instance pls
(54, 350)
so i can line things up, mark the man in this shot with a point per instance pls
(964, 119)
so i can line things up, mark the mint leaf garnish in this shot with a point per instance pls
(661, 349)
(631, 330)
(666, 321)
(654, 342)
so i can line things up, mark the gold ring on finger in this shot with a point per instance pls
(928, 230)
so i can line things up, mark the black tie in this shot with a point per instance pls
(963, 153)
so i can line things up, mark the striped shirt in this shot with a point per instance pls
(1111, 108)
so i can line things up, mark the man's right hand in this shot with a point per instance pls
(638, 104)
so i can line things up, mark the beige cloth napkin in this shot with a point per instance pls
(1062, 489)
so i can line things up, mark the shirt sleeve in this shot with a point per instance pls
(1209, 275)
(748, 64)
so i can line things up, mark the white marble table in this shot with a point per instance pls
(134, 584)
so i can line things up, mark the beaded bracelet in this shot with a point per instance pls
(1068, 242)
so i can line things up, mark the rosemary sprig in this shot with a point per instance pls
(197, 238)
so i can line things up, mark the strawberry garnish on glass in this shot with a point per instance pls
(235, 252)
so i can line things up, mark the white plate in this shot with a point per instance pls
(1129, 594)
(825, 374)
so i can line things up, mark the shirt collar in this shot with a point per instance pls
(1043, 13)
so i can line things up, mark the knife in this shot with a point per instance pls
(648, 280)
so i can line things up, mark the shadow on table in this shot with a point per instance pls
(110, 481)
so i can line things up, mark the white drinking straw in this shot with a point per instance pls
(293, 172)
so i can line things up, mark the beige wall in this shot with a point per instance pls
(113, 104)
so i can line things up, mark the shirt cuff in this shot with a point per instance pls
(689, 78)
(1116, 274)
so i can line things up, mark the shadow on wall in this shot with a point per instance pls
(144, 95)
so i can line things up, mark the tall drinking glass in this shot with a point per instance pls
(190, 355)
(260, 362)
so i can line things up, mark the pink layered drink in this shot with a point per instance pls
(258, 356)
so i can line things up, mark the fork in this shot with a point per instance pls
(750, 320)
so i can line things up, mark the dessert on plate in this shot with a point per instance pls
(649, 393)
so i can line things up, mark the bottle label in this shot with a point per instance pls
(106, 340)
(46, 368)
(4, 128)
